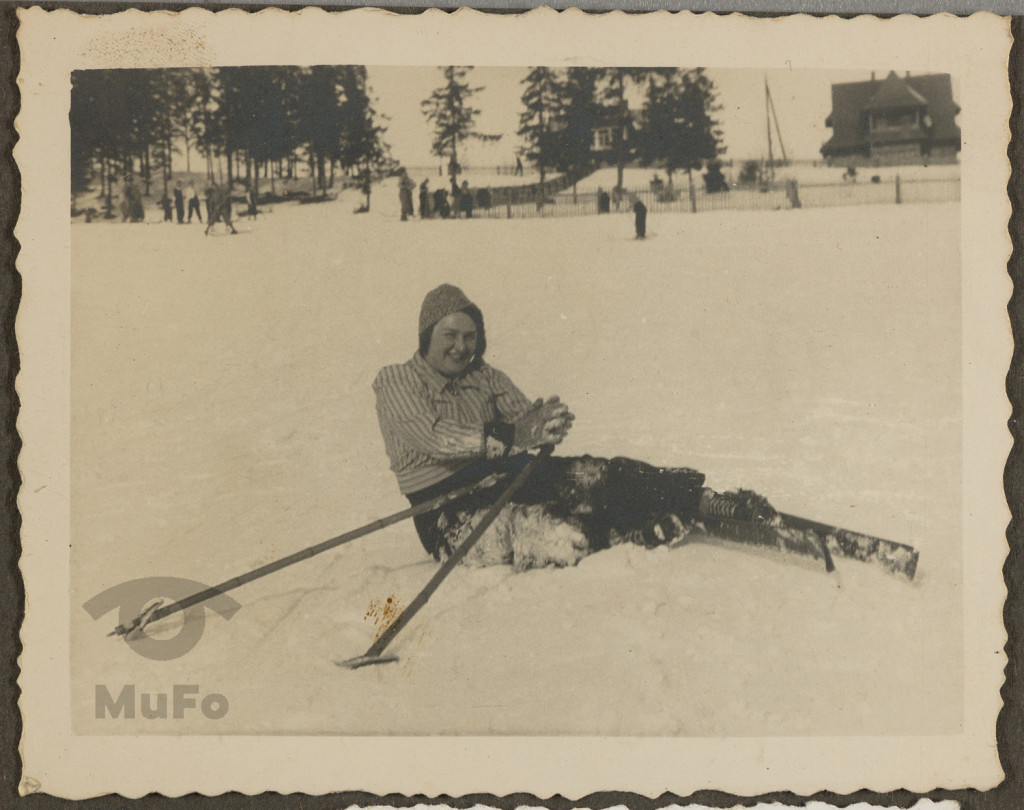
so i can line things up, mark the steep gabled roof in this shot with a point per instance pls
(895, 93)
(850, 100)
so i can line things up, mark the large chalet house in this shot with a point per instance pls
(899, 120)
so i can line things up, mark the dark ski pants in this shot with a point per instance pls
(568, 508)
(193, 208)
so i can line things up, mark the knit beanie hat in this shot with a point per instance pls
(440, 302)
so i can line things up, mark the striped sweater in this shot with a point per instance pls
(433, 426)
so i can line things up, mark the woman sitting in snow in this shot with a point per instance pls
(449, 419)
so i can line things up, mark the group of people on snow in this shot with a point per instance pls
(218, 204)
(179, 204)
(436, 203)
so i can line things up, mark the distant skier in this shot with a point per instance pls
(441, 206)
(449, 419)
(123, 204)
(640, 218)
(425, 199)
(193, 203)
(179, 203)
(168, 206)
(456, 205)
(405, 187)
(131, 202)
(250, 197)
(218, 207)
(466, 200)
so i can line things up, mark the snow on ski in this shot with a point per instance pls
(810, 538)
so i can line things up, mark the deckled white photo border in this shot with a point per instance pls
(57, 762)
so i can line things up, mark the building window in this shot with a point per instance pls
(894, 119)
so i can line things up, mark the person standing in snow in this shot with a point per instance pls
(425, 199)
(251, 200)
(179, 203)
(193, 203)
(466, 200)
(441, 203)
(450, 419)
(456, 205)
(405, 187)
(640, 218)
(218, 207)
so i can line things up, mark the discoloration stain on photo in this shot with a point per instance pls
(382, 613)
(144, 48)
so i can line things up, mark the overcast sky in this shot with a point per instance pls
(802, 101)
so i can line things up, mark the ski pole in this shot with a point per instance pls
(374, 655)
(153, 615)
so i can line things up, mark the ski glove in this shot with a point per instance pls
(542, 423)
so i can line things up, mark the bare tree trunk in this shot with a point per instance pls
(167, 165)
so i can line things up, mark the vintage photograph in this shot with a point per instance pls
(552, 399)
(301, 293)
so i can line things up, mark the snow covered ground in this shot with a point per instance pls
(222, 417)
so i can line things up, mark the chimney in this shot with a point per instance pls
(872, 75)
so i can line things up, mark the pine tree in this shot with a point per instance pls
(539, 122)
(86, 132)
(204, 118)
(678, 129)
(108, 111)
(270, 132)
(612, 98)
(616, 110)
(362, 139)
(171, 100)
(320, 119)
(574, 137)
(448, 109)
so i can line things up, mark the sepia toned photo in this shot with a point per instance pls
(556, 406)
